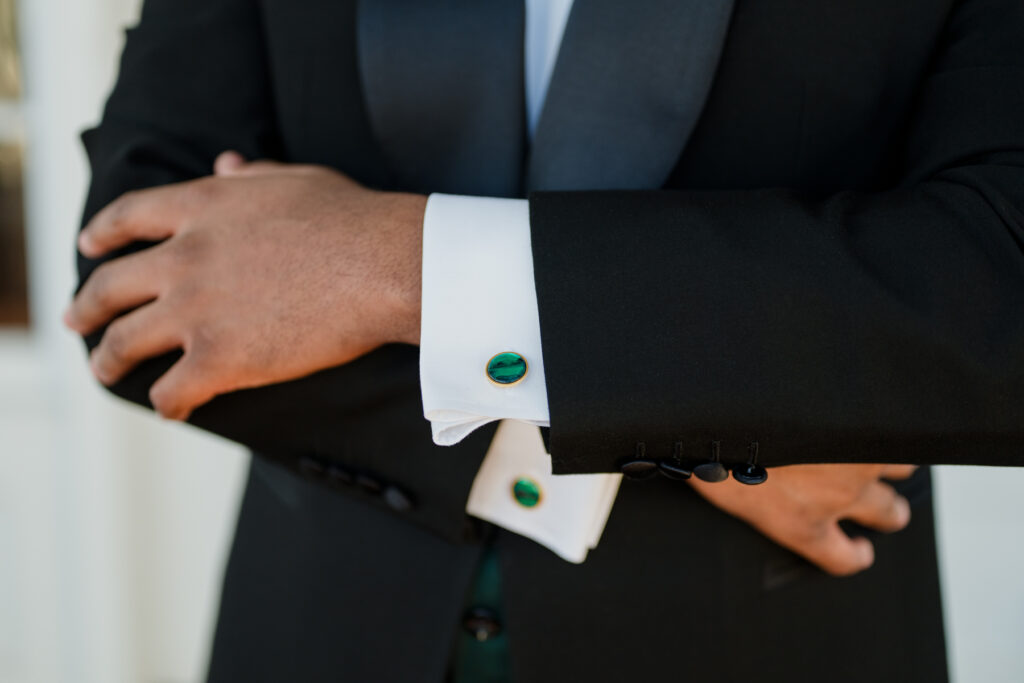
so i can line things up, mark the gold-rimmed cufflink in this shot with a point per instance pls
(527, 492)
(506, 368)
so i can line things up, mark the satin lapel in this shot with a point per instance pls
(630, 82)
(443, 83)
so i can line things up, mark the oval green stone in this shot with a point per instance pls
(526, 492)
(506, 368)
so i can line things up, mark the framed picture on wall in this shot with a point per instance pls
(13, 280)
(10, 82)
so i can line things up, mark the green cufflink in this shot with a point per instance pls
(526, 492)
(506, 368)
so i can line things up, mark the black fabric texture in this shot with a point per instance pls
(830, 267)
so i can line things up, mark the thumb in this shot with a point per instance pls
(231, 163)
(228, 163)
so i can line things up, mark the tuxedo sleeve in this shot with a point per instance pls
(856, 327)
(193, 82)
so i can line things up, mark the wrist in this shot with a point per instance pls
(409, 211)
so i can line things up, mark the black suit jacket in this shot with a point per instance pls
(816, 250)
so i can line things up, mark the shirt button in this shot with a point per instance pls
(506, 368)
(526, 492)
(481, 623)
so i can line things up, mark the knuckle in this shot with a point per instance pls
(121, 209)
(115, 344)
(809, 519)
(817, 533)
(850, 497)
(209, 364)
(856, 486)
(101, 285)
(203, 191)
(201, 342)
(183, 296)
(205, 343)
(808, 534)
(188, 249)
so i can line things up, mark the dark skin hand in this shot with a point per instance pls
(267, 272)
(799, 507)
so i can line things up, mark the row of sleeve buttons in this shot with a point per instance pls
(710, 470)
(339, 476)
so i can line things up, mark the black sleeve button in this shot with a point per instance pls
(711, 472)
(338, 475)
(397, 499)
(639, 467)
(749, 474)
(311, 467)
(368, 484)
(674, 470)
(481, 623)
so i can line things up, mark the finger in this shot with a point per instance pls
(228, 162)
(187, 385)
(898, 471)
(114, 287)
(131, 339)
(838, 554)
(142, 215)
(881, 508)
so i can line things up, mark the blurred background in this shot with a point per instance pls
(114, 526)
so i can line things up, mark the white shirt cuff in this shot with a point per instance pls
(572, 509)
(479, 300)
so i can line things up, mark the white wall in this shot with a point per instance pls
(113, 526)
(981, 550)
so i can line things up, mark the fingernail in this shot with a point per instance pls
(95, 369)
(866, 553)
(903, 511)
(85, 244)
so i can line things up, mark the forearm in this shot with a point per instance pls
(860, 328)
(192, 84)
(857, 326)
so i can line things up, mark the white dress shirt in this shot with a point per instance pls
(479, 299)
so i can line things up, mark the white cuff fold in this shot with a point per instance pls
(478, 300)
(572, 510)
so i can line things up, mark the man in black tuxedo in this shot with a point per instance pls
(763, 233)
